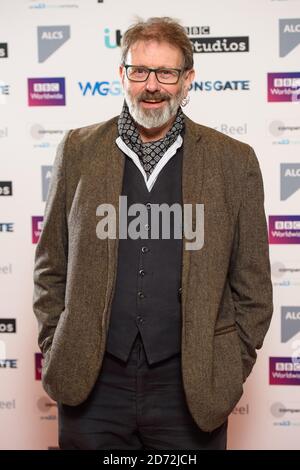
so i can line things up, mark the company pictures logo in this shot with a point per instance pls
(290, 322)
(284, 371)
(46, 91)
(284, 86)
(51, 38)
(37, 226)
(284, 229)
(285, 132)
(289, 35)
(289, 179)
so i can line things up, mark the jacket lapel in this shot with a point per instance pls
(192, 182)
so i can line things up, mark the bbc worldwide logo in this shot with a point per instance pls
(46, 91)
(37, 226)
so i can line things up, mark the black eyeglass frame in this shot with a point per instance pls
(126, 67)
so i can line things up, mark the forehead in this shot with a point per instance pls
(155, 54)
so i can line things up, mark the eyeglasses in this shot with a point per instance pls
(137, 73)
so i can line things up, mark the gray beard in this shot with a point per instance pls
(151, 118)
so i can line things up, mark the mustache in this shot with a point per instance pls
(157, 96)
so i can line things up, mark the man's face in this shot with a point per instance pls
(151, 103)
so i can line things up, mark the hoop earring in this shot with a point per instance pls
(185, 101)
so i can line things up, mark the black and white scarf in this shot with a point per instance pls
(148, 152)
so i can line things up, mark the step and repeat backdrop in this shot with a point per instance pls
(59, 70)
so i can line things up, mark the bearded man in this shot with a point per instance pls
(146, 341)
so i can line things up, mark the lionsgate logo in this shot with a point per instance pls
(152, 221)
(211, 44)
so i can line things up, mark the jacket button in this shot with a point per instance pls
(145, 249)
(142, 272)
(141, 295)
(180, 293)
(148, 205)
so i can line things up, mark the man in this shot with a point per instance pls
(147, 343)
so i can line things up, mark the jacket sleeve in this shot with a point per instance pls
(50, 266)
(249, 277)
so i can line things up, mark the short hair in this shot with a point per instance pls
(161, 29)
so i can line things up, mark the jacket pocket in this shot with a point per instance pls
(225, 329)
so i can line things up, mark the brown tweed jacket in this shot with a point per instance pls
(226, 287)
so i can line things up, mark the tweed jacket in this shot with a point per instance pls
(226, 286)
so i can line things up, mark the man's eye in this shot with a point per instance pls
(139, 71)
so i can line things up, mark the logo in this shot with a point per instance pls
(6, 269)
(4, 92)
(286, 132)
(46, 138)
(285, 274)
(3, 132)
(51, 38)
(284, 371)
(5, 188)
(112, 43)
(284, 87)
(284, 229)
(220, 44)
(288, 414)
(289, 179)
(290, 322)
(46, 406)
(8, 363)
(37, 226)
(46, 177)
(3, 50)
(232, 130)
(104, 88)
(218, 85)
(241, 410)
(38, 5)
(215, 44)
(38, 360)
(46, 92)
(8, 405)
(8, 325)
(289, 35)
(6, 227)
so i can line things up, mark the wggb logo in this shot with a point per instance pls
(104, 88)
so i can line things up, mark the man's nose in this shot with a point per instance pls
(152, 84)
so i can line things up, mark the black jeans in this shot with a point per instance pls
(136, 406)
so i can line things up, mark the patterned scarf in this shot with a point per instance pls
(148, 152)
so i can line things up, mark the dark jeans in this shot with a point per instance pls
(136, 406)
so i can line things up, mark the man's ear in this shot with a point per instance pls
(122, 72)
(190, 75)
